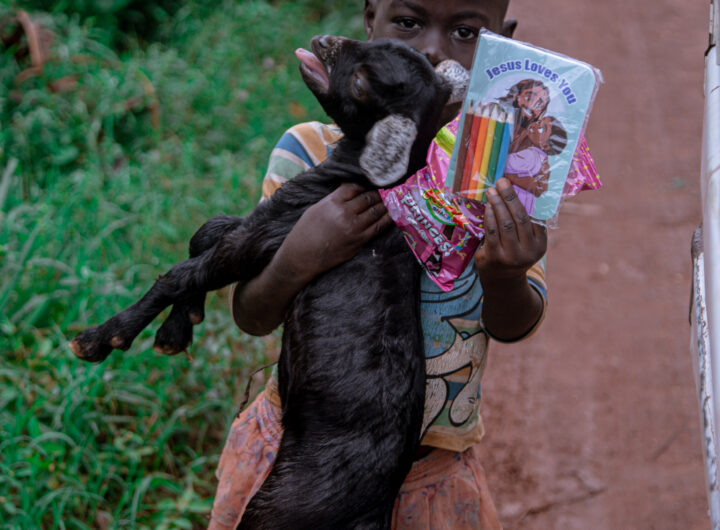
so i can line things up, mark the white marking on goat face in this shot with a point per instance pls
(387, 149)
(457, 76)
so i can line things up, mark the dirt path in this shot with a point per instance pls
(593, 423)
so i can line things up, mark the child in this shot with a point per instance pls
(503, 296)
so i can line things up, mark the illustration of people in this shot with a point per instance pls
(527, 165)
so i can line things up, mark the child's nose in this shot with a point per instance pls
(433, 47)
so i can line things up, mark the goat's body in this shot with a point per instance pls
(351, 379)
(352, 370)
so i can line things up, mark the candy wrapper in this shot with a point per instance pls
(522, 118)
(435, 224)
(443, 229)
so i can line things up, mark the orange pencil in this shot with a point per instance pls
(480, 145)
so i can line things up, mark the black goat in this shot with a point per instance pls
(351, 370)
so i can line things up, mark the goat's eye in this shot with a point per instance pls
(358, 87)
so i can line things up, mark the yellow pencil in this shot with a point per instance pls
(480, 184)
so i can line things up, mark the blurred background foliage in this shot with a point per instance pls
(146, 119)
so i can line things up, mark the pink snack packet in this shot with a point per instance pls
(443, 230)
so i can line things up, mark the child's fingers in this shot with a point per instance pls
(540, 234)
(348, 191)
(492, 238)
(506, 227)
(371, 214)
(359, 199)
(521, 219)
(382, 224)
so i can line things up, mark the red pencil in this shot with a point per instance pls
(464, 144)
(472, 145)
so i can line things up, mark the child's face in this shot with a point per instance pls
(532, 102)
(539, 132)
(440, 29)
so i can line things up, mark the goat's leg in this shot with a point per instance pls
(175, 333)
(237, 256)
(183, 280)
(96, 343)
(241, 252)
(270, 509)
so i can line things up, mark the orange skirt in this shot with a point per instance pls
(444, 490)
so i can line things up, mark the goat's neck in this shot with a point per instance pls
(344, 162)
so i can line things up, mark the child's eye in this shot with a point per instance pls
(465, 33)
(407, 23)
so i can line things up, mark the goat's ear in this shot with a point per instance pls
(459, 79)
(386, 155)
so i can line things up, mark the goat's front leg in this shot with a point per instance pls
(237, 255)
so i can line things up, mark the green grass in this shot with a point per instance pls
(96, 200)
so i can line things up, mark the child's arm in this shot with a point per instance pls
(328, 234)
(513, 244)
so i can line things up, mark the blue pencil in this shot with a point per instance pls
(504, 146)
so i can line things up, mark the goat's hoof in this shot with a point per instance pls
(195, 307)
(196, 318)
(175, 334)
(96, 343)
(172, 339)
(91, 352)
(168, 349)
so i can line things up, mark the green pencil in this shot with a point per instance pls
(497, 142)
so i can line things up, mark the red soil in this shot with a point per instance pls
(593, 423)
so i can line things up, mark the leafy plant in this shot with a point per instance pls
(96, 199)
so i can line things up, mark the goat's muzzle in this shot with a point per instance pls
(313, 71)
(326, 47)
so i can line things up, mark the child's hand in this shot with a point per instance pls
(513, 243)
(333, 230)
(329, 233)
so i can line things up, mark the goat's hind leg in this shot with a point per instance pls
(117, 333)
(175, 333)
(186, 282)
(182, 281)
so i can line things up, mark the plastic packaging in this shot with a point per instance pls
(522, 118)
(518, 100)
(442, 229)
(435, 224)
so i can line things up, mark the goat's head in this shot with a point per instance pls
(383, 95)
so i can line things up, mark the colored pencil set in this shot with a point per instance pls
(485, 140)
